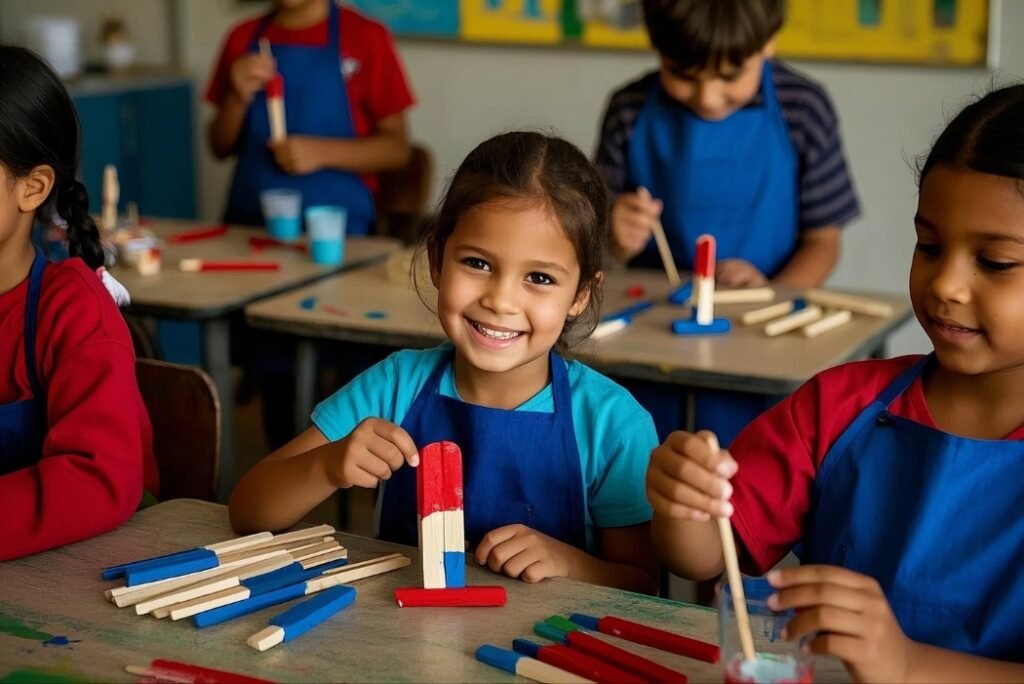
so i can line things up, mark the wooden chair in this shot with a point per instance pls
(403, 196)
(185, 411)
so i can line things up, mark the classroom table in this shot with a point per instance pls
(366, 306)
(211, 299)
(57, 597)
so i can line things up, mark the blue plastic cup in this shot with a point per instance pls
(325, 227)
(282, 212)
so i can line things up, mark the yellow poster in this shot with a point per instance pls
(511, 21)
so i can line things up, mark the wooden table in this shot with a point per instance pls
(745, 360)
(59, 593)
(211, 299)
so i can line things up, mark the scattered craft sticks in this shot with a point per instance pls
(832, 321)
(838, 300)
(575, 662)
(770, 313)
(465, 597)
(744, 295)
(732, 571)
(559, 629)
(328, 579)
(619, 320)
(303, 617)
(527, 667)
(662, 242)
(173, 671)
(793, 321)
(205, 265)
(197, 234)
(258, 243)
(649, 636)
(115, 571)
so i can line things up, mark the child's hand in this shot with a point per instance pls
(249, 74)
(370, 453)
(518, 551)
(849, 609)
(686, 481)
(738, 273)
(632, 217)
(297, 154)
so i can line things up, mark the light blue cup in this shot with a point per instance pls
(282, 212)
(325, 227)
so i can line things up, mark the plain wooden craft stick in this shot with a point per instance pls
(793, 321)
(732, 570)
(111, 196)
(861, 305)
(662, 242)
(768, 313)
(744, 295)
(832, 321)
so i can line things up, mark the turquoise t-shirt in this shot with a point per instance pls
(614, 434)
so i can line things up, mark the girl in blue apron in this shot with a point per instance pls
(900, 479)
(75, 446)
(553, 453)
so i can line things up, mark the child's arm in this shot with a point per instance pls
(388, 148)
(858, 627)
(687, 484)
(249, 74)
(519, 551)
(814, 259)
(279, 490)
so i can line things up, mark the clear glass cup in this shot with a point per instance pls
(282, 213)
(778, 661)
(325, 227)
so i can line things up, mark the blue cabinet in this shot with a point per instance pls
(146, 130)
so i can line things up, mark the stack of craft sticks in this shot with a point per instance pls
(816, 313)
(579, 656)
(239, 576)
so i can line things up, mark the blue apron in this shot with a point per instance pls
(735, 179)
(935, 518)
(23, 423)
(316, 104)
(518, 466)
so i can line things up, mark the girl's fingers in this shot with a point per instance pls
(492, 539)
(674, 510)
(847, 648)
(386, 451)
(807, 595)
(536, 572)
(517, 564)
(363, 478)
(503, 553)
(400, 439)
(375, 467)
(821, 574)
(826, 619)
(680, 492)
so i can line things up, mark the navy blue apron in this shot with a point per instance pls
(316, 104)
(935, 518)
(518, 466)
(735, 179)
(23, 423)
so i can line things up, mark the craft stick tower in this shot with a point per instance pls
(443, 535)
(702, 319)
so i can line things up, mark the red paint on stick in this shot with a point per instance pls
(585, 665)
(705, 266)
(631, 662)
(430, 479)
(451, 491)
(659, 638)
(204, 675)
(465, 597)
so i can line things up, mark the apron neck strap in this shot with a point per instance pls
(333, 38)
(35, 286)
(904, 380)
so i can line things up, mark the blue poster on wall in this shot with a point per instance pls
(414, 17)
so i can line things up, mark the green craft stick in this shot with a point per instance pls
(564, 624)
(545, 630)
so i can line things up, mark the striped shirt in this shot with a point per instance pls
(827, 196)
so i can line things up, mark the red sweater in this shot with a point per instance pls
(98, 451)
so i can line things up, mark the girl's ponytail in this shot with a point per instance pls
(83, 237)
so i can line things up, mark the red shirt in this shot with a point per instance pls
(98, 454)
(780, 452)
(376, 83)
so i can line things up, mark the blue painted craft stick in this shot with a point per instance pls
(289, 574)
(191, 561)
(682, 294)
(454, 569)
(629, 311)
(586, 621)
(249, 605)
(530, 649)
(685, 326)
(513, 662)
(115, 571)
(303, 617)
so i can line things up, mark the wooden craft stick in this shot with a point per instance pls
(359, 571)
(464, 597)
(768, 313)
(205, 265)
(793, 321)
(832, 321)
(195, 235)
(574, 661)
(662, 242)
(429, 486)
(649, 636)
(162, 670)
(609, 328)
(861, 305)
(704, 280)
(527, 667)
(219, 548)
(732, 571)
(303, 617)
(111, 196)
(748, 295)
(188, 593)
(275, 98)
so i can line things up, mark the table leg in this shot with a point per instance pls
(217, 353)
(305, 382)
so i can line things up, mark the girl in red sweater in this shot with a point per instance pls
(75, 438)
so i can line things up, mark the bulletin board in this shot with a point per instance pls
(937, 32)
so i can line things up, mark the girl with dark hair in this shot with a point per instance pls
(554, 453)
(75, 442)
(899, 480)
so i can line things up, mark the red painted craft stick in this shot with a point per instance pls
(258, 243)
(196, 265)
(430, 479)
(451, 493)
(585, 665)
(465, 597)
(658, 638)
(197, 234)
(631, 662)
(202, 675)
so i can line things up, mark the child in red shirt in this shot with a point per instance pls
(897, 481)
(345, 99)
(75, 438)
